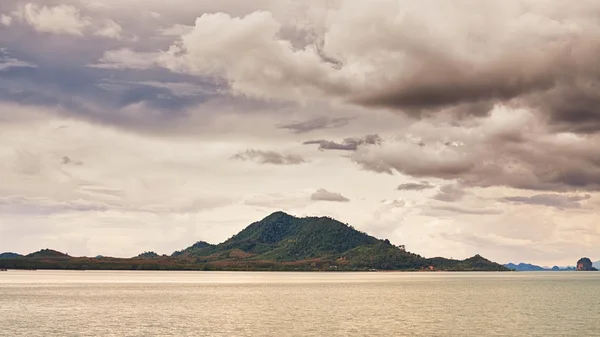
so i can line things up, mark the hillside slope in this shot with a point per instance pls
(278, 242)
(47, 254)
(285, 239)
(9, 255)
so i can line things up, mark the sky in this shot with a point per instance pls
(462, 128)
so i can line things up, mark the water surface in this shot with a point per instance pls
(138, 303)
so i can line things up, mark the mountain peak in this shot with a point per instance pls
(277, 215)
(201, 244)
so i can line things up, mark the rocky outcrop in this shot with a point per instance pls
(585, 264)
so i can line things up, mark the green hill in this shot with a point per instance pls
(9, 255)
(278, 242)
(47, 254)
(147, 255)
(290, 241)
(194, 249)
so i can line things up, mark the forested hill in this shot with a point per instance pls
(282, 242)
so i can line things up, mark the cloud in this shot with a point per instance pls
(507, 148)
(269, 157)
(65, 160)
(414, 159)
(175, 30)
(348, 144)
(64, 19)
(7, 62)
(450, 193)
(324, 195)
(465, 210)
(415, 186)
(559, 201)
(279, 201)
(20, 204)
(111, 30)
(5, 20)
(315, 124)
(127, 59)
(269, 62)
(397, 203)
(410, 59)
(61, 19)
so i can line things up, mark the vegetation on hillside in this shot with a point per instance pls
(148, 255)
(47, 253)
(278, 242)
(9, 255)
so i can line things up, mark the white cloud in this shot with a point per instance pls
(6, 61)
(61, 19)
(247, 52)
(111, 30)
(64, 19)
(126, 58)
(5, 20)
(325, 195)
(176, 30)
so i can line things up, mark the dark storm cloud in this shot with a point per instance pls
(521, 153)
(563, 86)
(444, 83)
(551, 200)
(315, 124)
(325, 195)
(348, 144)
(269, 157)
(415, 186)
(572, 107)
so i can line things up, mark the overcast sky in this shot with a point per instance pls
(454, 128)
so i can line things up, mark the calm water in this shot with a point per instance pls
(59, 303)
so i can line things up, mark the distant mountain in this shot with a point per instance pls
(278, 242)
(532, 267)
(9, 255)
(524, 267)
(47, 253)
(475, 263)
(596, 264)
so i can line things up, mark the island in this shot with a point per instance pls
(531, 267)
(279, 242)
(585, 264)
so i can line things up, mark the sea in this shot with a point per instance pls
(182, 303)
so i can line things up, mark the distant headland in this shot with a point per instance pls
(279, 242)
(583, 264)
